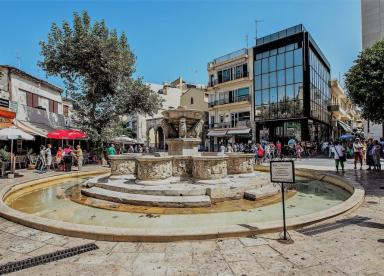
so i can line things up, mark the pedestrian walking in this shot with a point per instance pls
(358, 152)
(299, 150)
(369, 156)
(376, 152)
(48, 154)
(339, 155)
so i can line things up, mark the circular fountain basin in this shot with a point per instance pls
(46, 206)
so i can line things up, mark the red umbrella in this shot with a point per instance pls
(66, 134)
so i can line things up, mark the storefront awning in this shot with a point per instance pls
(6, 117)
(239, 131)
(217, 133)
(344, 126)
(34, 128)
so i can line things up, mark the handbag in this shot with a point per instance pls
(342, 158)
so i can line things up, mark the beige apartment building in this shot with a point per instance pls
(230, 99)
(344, 116)
(147, 129)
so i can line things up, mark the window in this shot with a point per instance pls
(272, 79)
(265, 96)
(297, 57)
(280, 62)
(53, 106)
(281, 77)
(258, 97)
(281, 93)
(32, 99)
(264, 65)
(273, 95)
(258, 82)
(191, 100)
(242, 92)
(257, 67)
(298, 74)
(65, 110)
(272, 63)
(289, 92)
(265, 81)
(289, 76)
(288, 59)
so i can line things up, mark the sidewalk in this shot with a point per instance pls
(347, 245)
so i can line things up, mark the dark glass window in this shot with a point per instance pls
(265, 65)
(265, 96)
(281, 93)
(280, 62)
(298, 74)
(258, 97)
(281, 77)
(290, 47)
(299, 91)
(298, 57)
(243, 92)
(273, 95)
(258, 82)
(272, 63)
(289, 76)
(272, 79)
(265, 81)
(289, 92)
(288, 59)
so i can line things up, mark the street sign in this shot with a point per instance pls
(282, 171)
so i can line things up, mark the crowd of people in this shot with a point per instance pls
(363, 151)
(63, 159)
(270, 150)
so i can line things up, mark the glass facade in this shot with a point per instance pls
(319, 88)
(279, 83)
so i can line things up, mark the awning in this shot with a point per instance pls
(34, 128)
(217, 133)
(344, 126)
(239, 131)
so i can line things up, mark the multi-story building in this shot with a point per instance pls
(344, 116)
(229, 98)
(372, 19)
(291, 86)
(147, 129)
(37, 104)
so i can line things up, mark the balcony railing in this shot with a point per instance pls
(229, 56)
(233, 124)
(236, 77)
(245, 98)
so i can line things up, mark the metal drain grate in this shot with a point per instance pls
(46, 258)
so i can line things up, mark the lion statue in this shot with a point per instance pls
(183, 128)
(196, 129)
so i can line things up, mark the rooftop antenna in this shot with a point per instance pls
(18, 58)
(257, 21)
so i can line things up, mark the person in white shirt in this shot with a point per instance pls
(358, 152)
(339, 150)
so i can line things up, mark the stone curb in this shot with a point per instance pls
(165, 235)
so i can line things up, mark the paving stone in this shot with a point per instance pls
(127, 247)
(253, 241)
(25, 246)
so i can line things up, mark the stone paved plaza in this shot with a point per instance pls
(346, 245)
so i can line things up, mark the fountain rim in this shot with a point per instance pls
(191, 233)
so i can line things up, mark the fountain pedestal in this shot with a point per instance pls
(183, 146)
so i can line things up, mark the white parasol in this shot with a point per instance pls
(13, 133)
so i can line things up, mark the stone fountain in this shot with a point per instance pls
(183, 177)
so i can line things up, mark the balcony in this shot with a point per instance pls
(246, 98)
(227, 57)
(237, 77)
(233, 124)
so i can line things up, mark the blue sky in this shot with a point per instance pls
(172, 38)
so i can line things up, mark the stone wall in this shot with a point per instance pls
(241, 163)
(154, 168)
(182, 166)
(209, 167)
(121, 165)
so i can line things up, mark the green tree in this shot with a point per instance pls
(97, 67)
(365, 82)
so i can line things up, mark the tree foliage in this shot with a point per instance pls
(365, 82)
(97, 67)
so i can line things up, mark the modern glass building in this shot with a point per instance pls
(291, 86)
